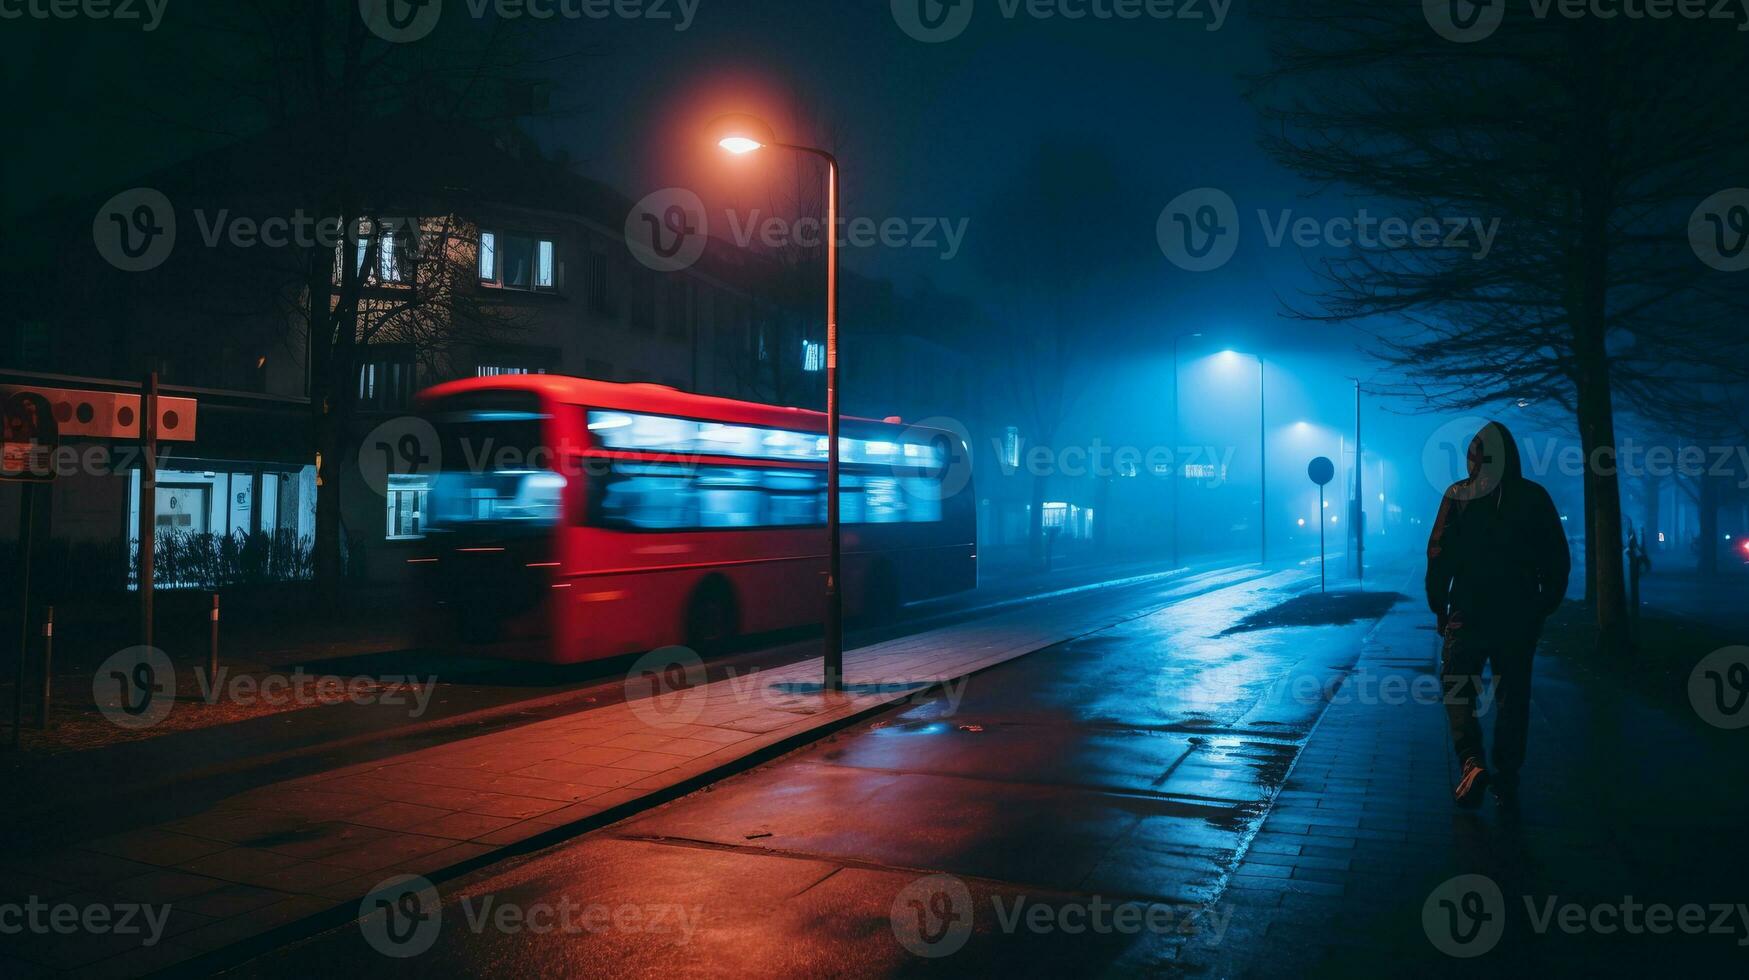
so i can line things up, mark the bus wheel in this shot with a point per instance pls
(880, 595)
(712, 620)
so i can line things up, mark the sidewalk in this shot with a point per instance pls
(314, 846)
(368, 640)
(1624, 806)
(209, 750)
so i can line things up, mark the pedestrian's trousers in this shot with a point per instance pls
(1505, 695)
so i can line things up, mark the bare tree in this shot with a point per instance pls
(367, 124)
(1589, 142)
(1050, 239)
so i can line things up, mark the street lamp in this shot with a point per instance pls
(740, 135)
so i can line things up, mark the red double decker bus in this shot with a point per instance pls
(570, 520)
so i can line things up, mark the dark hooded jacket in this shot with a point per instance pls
(1497, 557)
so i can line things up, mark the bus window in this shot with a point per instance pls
(730, 497)
(663, 434)
(495, 464)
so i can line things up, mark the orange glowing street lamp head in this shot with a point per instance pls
(741, 134)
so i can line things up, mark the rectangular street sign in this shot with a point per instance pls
(112, 414)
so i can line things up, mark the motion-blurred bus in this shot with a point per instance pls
(570, 520)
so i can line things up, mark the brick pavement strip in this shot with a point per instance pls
(291, 850)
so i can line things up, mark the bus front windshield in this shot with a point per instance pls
(496, 465)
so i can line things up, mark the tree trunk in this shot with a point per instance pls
(1603, 538)
(1653, 488)
(1590, 544)
(328, 561)
(1707, 562)
(331, 355)
(1588, 315)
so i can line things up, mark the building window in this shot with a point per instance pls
(813, 356)
(492, 371)
(204, 518)
(386, 381)
(394, 245)
(488, 257)
(1011, 447)
(407, 500)
(516, 262)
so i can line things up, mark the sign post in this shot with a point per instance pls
(1322, 471)
(37, 417)
(148, 499)
(28, 437)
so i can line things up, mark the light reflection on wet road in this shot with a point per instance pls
(1126, 766)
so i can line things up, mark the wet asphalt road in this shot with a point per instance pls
(180, 773)
(1004, 825)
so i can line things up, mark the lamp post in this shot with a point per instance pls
(1177, 437)
(1262, 464)
(1262, 472)
(740, 134)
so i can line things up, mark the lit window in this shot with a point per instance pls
(407, 498)
(661, 433)
(495, 371)
(813, 356)
(385, 380)
(1011, 447)
(389, 256)
(515, 262)
(390, 249)
(488, 256)
(666, 496)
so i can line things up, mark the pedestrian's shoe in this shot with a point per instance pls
(1471, 783)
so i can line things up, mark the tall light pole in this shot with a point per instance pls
(1358, 518)
(1177, 436)
(1262, 464)
(1262, 472)
(741, 134)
